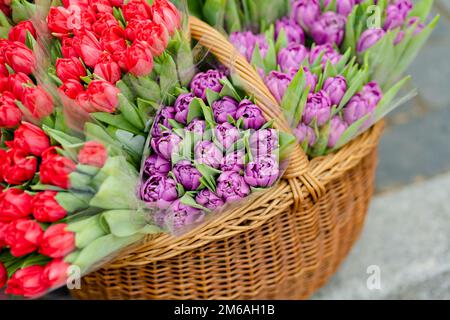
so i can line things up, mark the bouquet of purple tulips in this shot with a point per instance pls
(211, 149)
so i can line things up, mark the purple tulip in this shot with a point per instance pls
(294, 33)
(233, 161)
(208, 199)
(263, 142)
(305, 12)
(368, 39)
(394, 18)
(305, 133)
(197, 126)
(159, 190)
(291, 57)
(162, 118)
(166, 144)
(187, 175)
(337, 128)
(226, 134)
(318, 106)
(231, 186)
(404, 6)
(411, 22)
(336, 88)
(180, 215)
(182, 107)
(328, 53)
(343, 7)
(155, 165)
(224, 107)
(251, 115)
(262, 45)
(372, 93)
(356, 108)
(262, 172)
(206, 152)
(278, 82)
(204, 80)
(244, 42)
(329, 28)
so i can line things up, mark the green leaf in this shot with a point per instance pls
(282, 40)
(90, 231)
(287, 142)
(270, 61)
(195, 109)
(145, 88)
(213, 11)
(190, 201)
(421, 9)
(228, 90)
(125, 223)
(291, 98)
(125, 89)
(233, 21)
(168, 76)
(354, 86)
(351, 132)
(116, 120)
(73, 201)
(386, 105)
(129, 112)
(211, 96)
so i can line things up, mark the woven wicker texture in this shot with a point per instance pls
(283, 245)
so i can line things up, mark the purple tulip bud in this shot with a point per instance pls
(305, 12)
(368, 38)
(251, 115)
(263, 142)
(182, 107)
(226, 134)
(337, 128)
(394, 18)
(311, 79)
(329, 28)
(291, 57)
(162, 118)
(318, 106)
(262, 171)
(206, 152)
(294, 33)
(411, 22)
(372, 93)
(159, 190)
(208, 199)
(328, 53)
(356, 108)
(233, 161)
(343, 7)
(278, 82)
(404, 6)
(166, 144)
(224, 107)
(197, 126)
(244, 42)
(204, 80)
(187, 175)
(262, 44)
(305, 133)
(155, 165)
(231, 186)
(180, 215)
(336, 88)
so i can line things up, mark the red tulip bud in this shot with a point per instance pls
(139, 59)
(103, 22)
(72, 88)
(55, 169)
(31, 139)
(107, 68)
(23, 237)
(17, 82)
(55, 273)
(38, 102)
(57, 20)
(28, 282)
(20, 58)
(136, 9)
(67, 47)
(10, 114)
(19, 32)
(102, 96)
(57, 242)
(88, 48)
(18, 167)
(155, 35)
(14, 204)
(3, 227)
(113, 39)
(165, 13)
(46, 208)
(70, 68)
(93, 153)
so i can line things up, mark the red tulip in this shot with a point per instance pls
(55, 169)
(88, 48)
(17, 82)
(3, 275)
(121, 58)
(14, 204)
(71, 88)
(77, 3)
(107, 68)
(136, 9)
(165, 13)
(19, 31)
(139, 59)
(101, 6)
(103, 22)
(69, 68)
(154, 34)
(113, 39)
(10, 114)
(57, 21)
(28, 282)
(31, 139)
(55, 273)
(57, 242)
(23, 236)
(102, 96)
(4, 73)
(3, 227)
(93, 154)
(37, 101)
(67, 48)
(20, 58)
(46, 208)
(18, 167)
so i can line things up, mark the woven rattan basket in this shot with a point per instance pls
(284, 245)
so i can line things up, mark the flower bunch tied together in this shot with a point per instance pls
(211, 148)
(56, 208)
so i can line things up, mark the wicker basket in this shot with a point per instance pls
(284, 245)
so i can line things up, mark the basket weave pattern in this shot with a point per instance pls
(283, 245)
